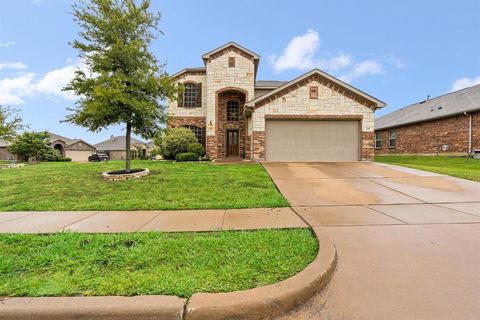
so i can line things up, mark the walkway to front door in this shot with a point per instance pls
(232, 143)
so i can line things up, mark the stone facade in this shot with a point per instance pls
(430, 137)
(330, 105)
(223, 82)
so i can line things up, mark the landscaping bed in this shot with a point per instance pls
(462, 167)
(69, 264)
(79, 186)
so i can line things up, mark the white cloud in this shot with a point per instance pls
(6, 44)
(13, 90)
(299, 53)
(464, 83)
(12, 65)
(302, 53)
(364, 68)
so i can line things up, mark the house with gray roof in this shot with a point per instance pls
(76, 149)
(313, 117)
(115, 148)
(447, 124)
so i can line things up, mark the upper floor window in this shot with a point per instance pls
(192, 96)
(392, 138)
(378, 140)
(232, 111)
(231, 62)
(314, 92)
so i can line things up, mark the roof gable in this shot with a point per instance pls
(325, 79)
(228, 45)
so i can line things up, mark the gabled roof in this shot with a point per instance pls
(231, 44)
(193, 70)
(323, 75)
(117, 143)
(458, 102)
(4, 143)
(53, 136)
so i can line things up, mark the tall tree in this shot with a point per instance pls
(122, 82)
(10, 123)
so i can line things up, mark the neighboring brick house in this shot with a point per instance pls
(115, 148)
(448, 124)
(314, 117)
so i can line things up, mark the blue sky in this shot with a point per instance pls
(397, 51)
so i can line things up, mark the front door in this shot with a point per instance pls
(232, 143)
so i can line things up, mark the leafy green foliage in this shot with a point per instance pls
(186, 156)
(10, 123)
(196, 148)
(75, 264)
(32, 144)
(122, 82)
(182, 185)
(177, 140)
(462, 167)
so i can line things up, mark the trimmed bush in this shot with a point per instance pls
(176, 140)
(186, 156)
(196, 148)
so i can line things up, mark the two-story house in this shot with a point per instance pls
(315, 117)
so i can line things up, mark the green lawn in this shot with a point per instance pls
(69, 264)
(461, 167)
(80, 186)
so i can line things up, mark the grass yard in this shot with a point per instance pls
(80, 186)
(74, 264)
(461, 167)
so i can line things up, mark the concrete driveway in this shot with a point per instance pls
(408, 241)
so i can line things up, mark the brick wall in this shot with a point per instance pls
(429, 137)
(258, 145)
(223, 124)
(5, 154)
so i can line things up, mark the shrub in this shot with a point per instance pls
(176, 140)
(67, 159)
(196, 148)
(186, 156)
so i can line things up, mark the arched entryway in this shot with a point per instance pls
(60, 149)
(231, 123)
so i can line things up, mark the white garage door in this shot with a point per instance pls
(308, 141)
(78, 155)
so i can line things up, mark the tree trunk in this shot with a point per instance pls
(127, 147)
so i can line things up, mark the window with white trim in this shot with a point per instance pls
(378, 140)
(392, 138)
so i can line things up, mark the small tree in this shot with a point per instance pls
(123, 83)
(31, 144)
(10, 123)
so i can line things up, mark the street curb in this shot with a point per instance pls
(98, 308)
(258, 303)
(268, 301)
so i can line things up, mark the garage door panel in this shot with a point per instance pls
(78, 155)
(296, 140)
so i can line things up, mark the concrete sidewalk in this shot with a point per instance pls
(134, 221)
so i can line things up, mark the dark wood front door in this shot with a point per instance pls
(232, 143)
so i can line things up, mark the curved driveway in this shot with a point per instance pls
(408, 241)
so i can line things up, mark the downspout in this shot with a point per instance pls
(469, 132)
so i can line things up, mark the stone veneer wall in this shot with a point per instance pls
(297, 104)
(220, 76)
(175, 111)
(429, 137)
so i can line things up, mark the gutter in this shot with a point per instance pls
(469, 131)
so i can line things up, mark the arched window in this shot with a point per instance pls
(198, 132)
(232, 111)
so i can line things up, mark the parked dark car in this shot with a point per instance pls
(98, 157)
